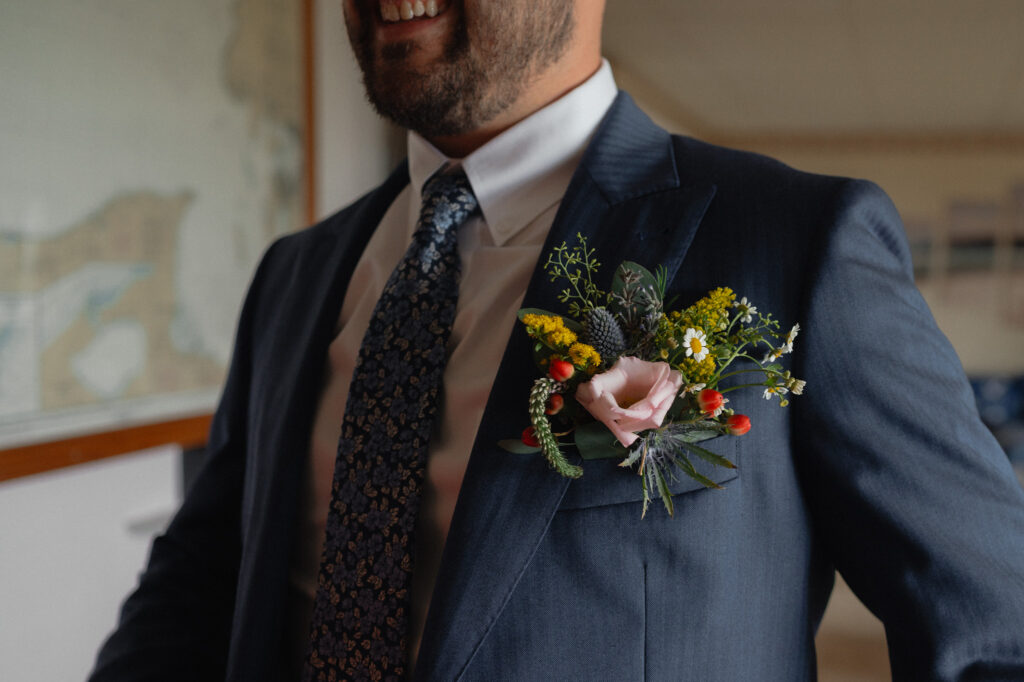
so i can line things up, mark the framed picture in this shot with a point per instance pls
(151, 152)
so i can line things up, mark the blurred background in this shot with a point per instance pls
(150, 151)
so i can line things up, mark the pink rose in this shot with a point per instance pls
(634, 395)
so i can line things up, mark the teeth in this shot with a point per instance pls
(405, 10)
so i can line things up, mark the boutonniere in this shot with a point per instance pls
(624, 377)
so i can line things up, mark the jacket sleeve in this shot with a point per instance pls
(915, 500)
(176, 625)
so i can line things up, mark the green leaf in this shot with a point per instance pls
(695, 432)
(647, 496)
(709, 456)
(688, 469)
(517, 446)
(697, 436)
(595, 441)
(646, 278)
(680, 404)
(666, 494)
(632, 458)
(661, 277)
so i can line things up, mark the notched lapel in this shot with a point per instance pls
(626, 199)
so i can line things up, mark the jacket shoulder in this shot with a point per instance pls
(751, 171)
(755, 188)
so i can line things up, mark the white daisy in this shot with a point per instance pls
(774, 390)
(788, 346)
(694, 388)
(747, 310)
(696, 344)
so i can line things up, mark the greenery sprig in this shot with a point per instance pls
(578, 266)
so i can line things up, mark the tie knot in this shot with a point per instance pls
(448, 199)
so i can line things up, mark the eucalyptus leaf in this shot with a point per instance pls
(646, 279)
(595, 441)
(623, 291)
(517, 446)
(698, 435)
(695, 432)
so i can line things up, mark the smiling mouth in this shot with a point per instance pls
(394, 11)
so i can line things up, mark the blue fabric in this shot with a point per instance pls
(882, 469)
(360, 616)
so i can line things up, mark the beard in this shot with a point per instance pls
(486, 63)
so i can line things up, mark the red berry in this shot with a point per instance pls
(738, 424)
(530, 437)
(710, 401)
(561, 370)
(555, 404)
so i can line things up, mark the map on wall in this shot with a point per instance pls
(149, 151)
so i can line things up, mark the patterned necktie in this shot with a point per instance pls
(360, 616)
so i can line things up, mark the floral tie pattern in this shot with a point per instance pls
(360, 616)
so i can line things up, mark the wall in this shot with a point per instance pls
(73, 541)
(356, 149)
(71, 545)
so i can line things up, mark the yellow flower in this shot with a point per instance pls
(698, 371)
(543, 324)
(585, 357)
(561, 338)
(711, 312)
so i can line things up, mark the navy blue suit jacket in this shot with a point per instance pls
(882, 469)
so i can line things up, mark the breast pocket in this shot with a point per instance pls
(604, 482)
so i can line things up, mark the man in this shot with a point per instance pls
(882, 471)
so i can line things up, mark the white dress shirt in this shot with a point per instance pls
(519, 178)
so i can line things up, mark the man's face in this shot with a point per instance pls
(453, 72)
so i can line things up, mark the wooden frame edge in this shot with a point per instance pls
(309, 103)
(189, 432)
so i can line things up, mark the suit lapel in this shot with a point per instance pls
(626, 199)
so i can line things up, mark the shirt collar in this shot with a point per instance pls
(527, 168)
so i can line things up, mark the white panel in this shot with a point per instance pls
(72, 543)
(354, 146)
